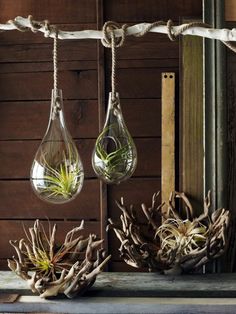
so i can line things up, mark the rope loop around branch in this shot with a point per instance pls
(108, 29)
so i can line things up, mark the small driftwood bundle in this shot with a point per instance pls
(50, 269)
(176, 242)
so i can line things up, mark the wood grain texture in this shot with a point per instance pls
(29, 119)
(63, 11)
(145, 82)
(153, 10)
(14, 230)
(18, 201)
(230, 10)
(191, 155)
(135, 191)
(37, 86)
(168, 136)
(17, 157)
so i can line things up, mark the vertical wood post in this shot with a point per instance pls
(168, 136)
(101, 116)
(191, 121)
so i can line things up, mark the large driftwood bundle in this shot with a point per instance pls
(51, 269)
(176, 240)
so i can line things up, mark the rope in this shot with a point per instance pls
(110, 41)
(56, 104)
(55, 64)
(34, 26)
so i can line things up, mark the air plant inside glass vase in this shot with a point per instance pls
(57, 173)
(114, 156)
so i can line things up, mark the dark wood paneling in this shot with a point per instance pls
(142, 116)
(68, 50)
(150, 46)
(63, 11)
(150, 11)
(28, 120)
(18, 201)
(13, 230)
(17, 157)
(140, 82)
(135, 191)
(37, 86)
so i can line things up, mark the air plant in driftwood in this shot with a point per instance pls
(51, 269)
(176, 241)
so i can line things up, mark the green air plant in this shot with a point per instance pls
(114, 154)
(51, 268)
(174, 240)
(62, 179)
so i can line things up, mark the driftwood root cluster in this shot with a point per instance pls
(50, 269)
(176, 241)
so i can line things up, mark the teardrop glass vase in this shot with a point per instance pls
(57, 173)
(114, 156)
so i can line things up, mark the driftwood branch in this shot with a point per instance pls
(51, 269)
(178, 241)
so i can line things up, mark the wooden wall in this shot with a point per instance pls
(25, 88)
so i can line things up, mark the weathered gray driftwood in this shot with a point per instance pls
(177, 241)
(51, 269)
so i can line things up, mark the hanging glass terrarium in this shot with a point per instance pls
(57, 172)
(114, 156)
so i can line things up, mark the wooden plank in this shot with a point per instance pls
(230, 10)
(190, 289)
(18, 201)
(191, 116)
(63, 11)
(13, 230)
(154, 10)
(17, 157)
(20, 120)
(135, 191)
(145, 82)
(37, 86)
(168, 136)
(142, 116)
(149, 158)
(35, 67)
(124, 305)
(67, 50)
(151, 46)
(144, 63)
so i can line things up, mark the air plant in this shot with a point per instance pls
(62, 180)
(113, 154)
(177, 240)
(51, 269)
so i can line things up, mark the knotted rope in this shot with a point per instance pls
(34, 26)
